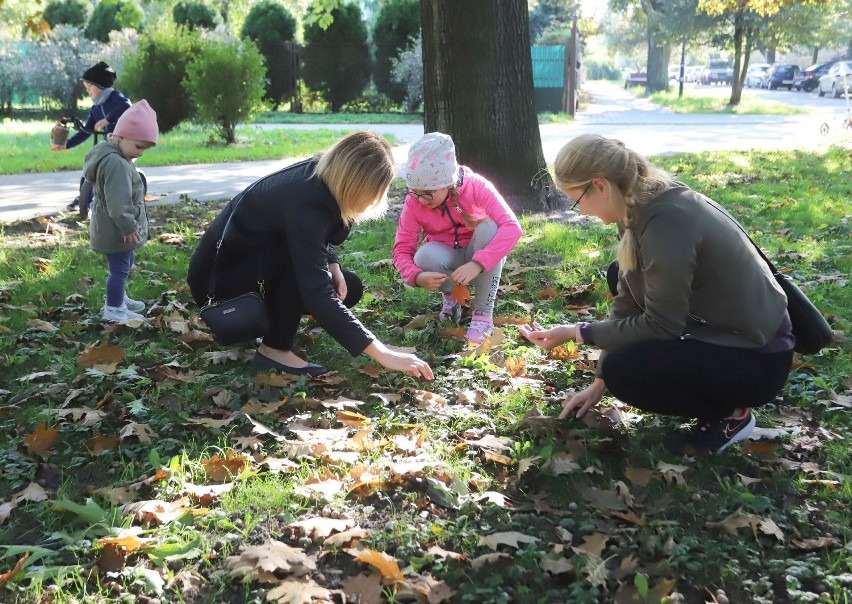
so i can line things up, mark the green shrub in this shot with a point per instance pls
(599, 70)
(67, 12)
(156, 72)
(226, 82)
(337, 59)
(112, 15)
(195, 14)
(271, 27)
(397, 25)
(370, 101)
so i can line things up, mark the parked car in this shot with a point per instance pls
(780, 74)
(755, 74)
(811, 75)
(693, 73)
(635, 78)
(718, 70)
(833, 80)
(674, 73)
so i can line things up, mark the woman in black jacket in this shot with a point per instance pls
(280, 236)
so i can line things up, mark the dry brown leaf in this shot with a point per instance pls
(326, 488)
(548, 293)
(461, 295)
(638, 476)
(41, 440)
(6, 509)
(116, 549)
(322, 528)
(672, 473)
(441, 553)
(350, 418)
(99, 443)
(142, 431)
(593, 544)
(768, 526)
(42, 325)
(363, 588)
(206, 494)
(557, 567)
(418, 322)
(735, 521)
(347, 538)
(266, 562)
(385, 564)
(814, 544)
(491, 561)
(561, 463)
(102, 354)
(429, 590)
(220, 468)
(300, 592)
(156, 511)
(89, 416)
(33, 492)
(510, 538)
(516, 367)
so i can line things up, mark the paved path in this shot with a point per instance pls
(613, 112)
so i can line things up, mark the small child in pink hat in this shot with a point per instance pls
(468, 230)
(119, 222)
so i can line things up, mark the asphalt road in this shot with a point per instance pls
(613, 112)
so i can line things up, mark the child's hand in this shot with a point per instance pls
(430, 280)
(547, 338)
(132, 239)
(466, 273)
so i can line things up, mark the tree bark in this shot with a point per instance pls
(478, 88)
(658, 64)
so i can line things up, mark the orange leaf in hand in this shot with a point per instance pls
(461, 295)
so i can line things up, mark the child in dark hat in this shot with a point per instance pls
(108, 104)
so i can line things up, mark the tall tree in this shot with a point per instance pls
(746, 17)
(478, 89)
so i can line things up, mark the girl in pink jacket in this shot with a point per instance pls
(468, 230)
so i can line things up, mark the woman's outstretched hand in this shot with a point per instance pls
(548, 338)
(399, 361)
(584, 400)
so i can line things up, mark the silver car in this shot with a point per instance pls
(755, 74)
(836, 79)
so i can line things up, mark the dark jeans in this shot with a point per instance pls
(118, 268)
(689, 378)
(283, 302)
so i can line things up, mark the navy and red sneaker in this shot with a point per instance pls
(718, 435)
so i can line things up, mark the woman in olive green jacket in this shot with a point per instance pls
(698, 325)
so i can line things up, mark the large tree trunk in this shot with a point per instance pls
(478, 88)
(658, 64)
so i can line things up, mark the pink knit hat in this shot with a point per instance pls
(431, 163)
(139, 123)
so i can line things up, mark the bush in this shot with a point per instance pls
(194, 14)
(15, 67)
(337, 59)
(67, 12)
(112, 15)
(407, 71)
(62, 58)
(397, 24)
(226, 82)
(156, 72)
(271, 27)
(370, 101)
(599, 70)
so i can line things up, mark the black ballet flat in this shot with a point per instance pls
(261, 361)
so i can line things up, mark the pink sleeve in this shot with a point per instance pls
(508, 228)
(405, 244)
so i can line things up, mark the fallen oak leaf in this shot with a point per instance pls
(300, 592)
(461, 295)
(510, 538)
(102, 354)
(266, 561)
(814, 544)
(41, 440)
(491, 561)
(19, 565)
(364, 588)
(385, 564)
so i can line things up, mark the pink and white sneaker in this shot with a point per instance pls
(481, 326)
(450, 311)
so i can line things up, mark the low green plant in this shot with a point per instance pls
(697, 103)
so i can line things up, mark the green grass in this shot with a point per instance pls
(796, 206)
(26, 146)
(695, 102)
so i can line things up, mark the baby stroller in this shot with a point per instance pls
(85, 192)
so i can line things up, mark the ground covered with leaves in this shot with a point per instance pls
(143, 463)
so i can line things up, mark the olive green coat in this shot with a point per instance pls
(118, 208)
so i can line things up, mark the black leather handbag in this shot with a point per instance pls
(812, 331)
(237, 319)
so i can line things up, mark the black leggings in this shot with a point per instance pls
(694, 379)
(283, 302)
(691, 378)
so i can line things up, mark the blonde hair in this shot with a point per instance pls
(633, 177)
(358, 170)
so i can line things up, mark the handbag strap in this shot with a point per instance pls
(211, 286)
